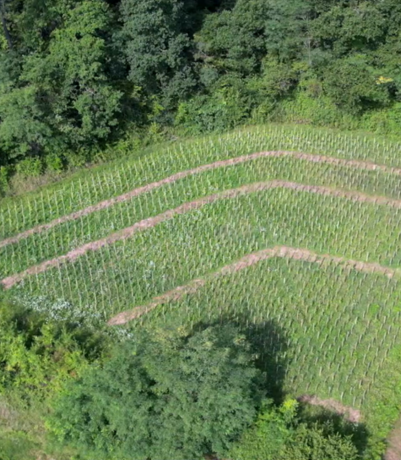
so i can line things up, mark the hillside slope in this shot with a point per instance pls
(292, 232)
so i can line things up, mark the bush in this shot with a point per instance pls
(226, 108)
(38, 356)
(278, 434)
(30, 167)
(3, 180)
(54, 162)
(267, 438)
(318, 443)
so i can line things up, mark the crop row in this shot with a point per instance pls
(21, 213)
(132, 271)
(64, 237)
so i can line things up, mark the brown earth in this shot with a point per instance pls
(394, 442)
(218, 164)
(349, 413)
(247, 261)
(186, 207)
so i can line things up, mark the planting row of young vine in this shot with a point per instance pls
(132, 271)
(21, 213)
(69, 235)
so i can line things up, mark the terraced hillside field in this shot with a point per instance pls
(293, 232)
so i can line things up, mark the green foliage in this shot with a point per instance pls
(57, 87)
(30, 167)
(163, 396)
(54, 162)
(157, 31)
(228, 50)
(352, 83)
(78, 76)
(4, 175)
(316, 443)
(75, 74)
(279, 435)
(16, 446)
(351, 29)
(227, 107)
(267, 438)
(23, 129)
(38, 356)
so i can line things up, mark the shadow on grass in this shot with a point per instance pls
(271, 344)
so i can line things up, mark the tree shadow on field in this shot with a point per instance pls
(269, 342)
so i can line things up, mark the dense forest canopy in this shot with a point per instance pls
(76, 74)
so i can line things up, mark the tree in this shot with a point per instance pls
(163, 396)
(157, 47)
(58, 88)
(354, 28)
(354, 84)
(239, 44)
(86, 104)
(4, 24)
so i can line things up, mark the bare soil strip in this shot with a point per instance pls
(186, 207)
(168, 180)
(247, 261)
(394, 443)
(349, 413)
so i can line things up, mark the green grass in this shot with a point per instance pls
(94, 185)
(65, 237)
(127, 273)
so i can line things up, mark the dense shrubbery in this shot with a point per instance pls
(170, 394)
(279, 434)
(37, 358)
(76, 75)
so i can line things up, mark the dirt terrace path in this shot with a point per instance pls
(187, 207)
(394, 443)
(247, 261)
(349, 413)
(180, 175)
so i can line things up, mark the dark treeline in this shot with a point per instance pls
(77, 74)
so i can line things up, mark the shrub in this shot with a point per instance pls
(30, 167)
(38, 356)
(3, 179)
(267, 438)
(278, 434)
(318, 443)
(54, 162)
